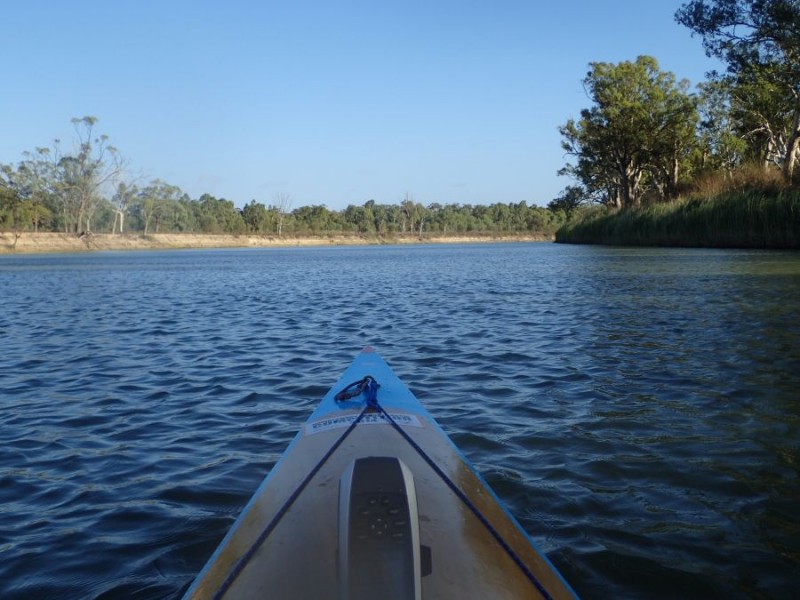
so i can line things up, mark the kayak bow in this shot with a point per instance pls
(373, 500)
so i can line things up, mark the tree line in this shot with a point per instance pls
(84, 191)
(646, 136)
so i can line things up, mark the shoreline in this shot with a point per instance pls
(58, 243)
(750, 218)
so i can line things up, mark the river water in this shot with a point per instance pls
(638, 410)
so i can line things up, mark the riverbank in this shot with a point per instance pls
(46, 242)
(744, 219)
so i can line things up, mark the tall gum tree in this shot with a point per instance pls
(81, 175)
(121, 201)
(640, 127)
(759, 40)
(26, 194)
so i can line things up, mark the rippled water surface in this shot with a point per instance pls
(638, 410)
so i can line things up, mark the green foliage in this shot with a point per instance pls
(217, 215)
(257, 218)
(572, 198)
(159, 207)
(637, 134)
(21, 208)
(314, 220)
(759, 40)
(641, 140)
(722, 143)
(407, 218)
(752, 218)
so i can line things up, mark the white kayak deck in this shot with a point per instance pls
(298, 559)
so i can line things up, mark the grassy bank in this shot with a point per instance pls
(745, 219)
(37, 243)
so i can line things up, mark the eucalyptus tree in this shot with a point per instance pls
(721, 145)
(407, 213)
(571, 198)
(370, 221)
(763, 119)
(218, 215)
(436, 217)
(314, 219)
(15, 216)
(420, 218)
(81, 175)
(359, 218)
(121, 202)
(23, 200)
(638, 130)
(452, 218)
(257, 218)
(595, 172)
(7, 190)
(35, 180)
(385, 217)
(11, 212)
(759, 40)
(155, 203)
(68, 185)
(281, 208)
(413, 215)
(675, 120)
(388, 218)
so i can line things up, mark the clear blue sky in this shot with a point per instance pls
(332, 102)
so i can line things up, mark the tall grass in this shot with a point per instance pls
(747, 214)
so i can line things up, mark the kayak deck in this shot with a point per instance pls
(286, 543)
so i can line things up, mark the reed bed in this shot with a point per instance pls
(750, 218)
